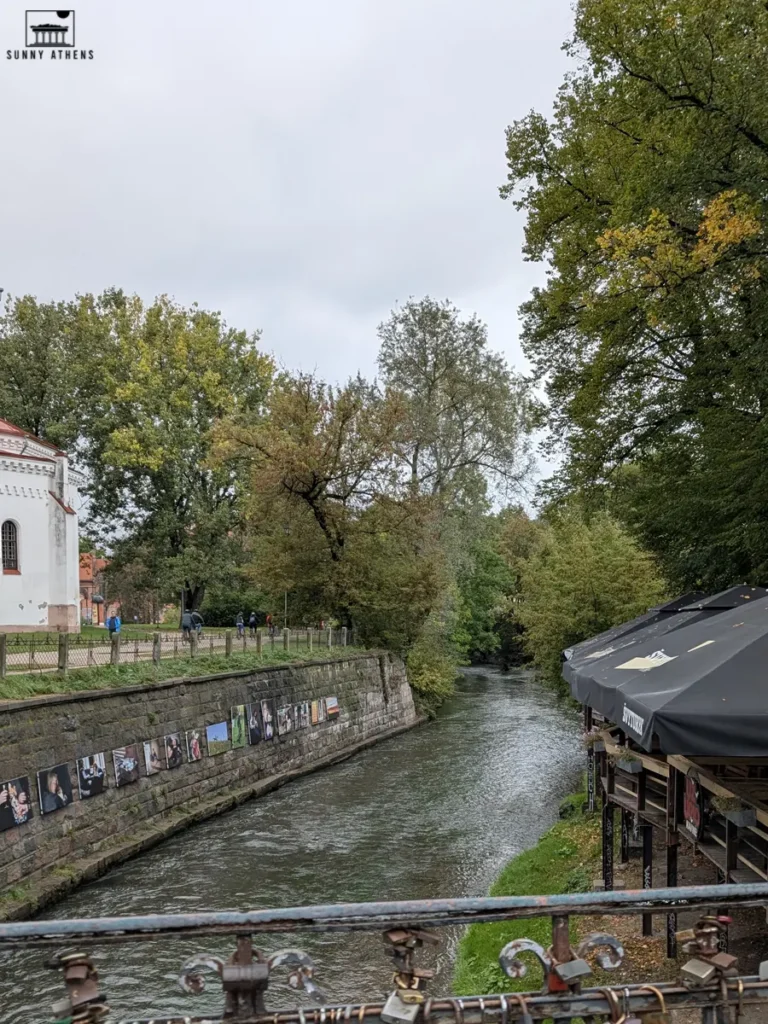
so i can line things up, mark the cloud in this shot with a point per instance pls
(299, 166)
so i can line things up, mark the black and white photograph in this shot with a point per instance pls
(126, 760)
(174, 757)
(55, 788)
(15, 803)
(304, 714)
(253, 713)
(153, 757)
(194, 746)
(268, 718)
(91, 775)
(284, 719)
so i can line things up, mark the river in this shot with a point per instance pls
(434, 812)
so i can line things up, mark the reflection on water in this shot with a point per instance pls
(434, 812)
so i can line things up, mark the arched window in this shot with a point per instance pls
(9, 540)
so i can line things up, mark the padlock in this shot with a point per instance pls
(660, 1016)
(697, 972)
(525, 1014)
(725, 963)
(397, 1012)
(572, 970)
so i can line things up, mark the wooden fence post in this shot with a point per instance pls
(157, 650)
(114, 654)
(330, 637)
(259, 642)
(343, 636)
(193, 643)
(228, 643)
(63, 653)
(3, 655)
(310, 631)
(286, 640)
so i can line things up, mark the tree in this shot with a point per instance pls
(466, 414)
(167, 376)
(43, 386)
(646, 194)
(582, 578)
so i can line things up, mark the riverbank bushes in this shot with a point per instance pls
(564, 860)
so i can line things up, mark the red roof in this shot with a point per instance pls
(7, 427)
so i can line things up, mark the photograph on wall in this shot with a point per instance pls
(304, 714)
(126, 764)
(153, 757)
(284, 719)
(218, 738)
(173, 755)
(239, 731)
(332, 706)
(91, 775)
(321, 715)
(15, 803)
(315, 719)
(268, 719)
(254, 724)
(55, 788)
(194, 746)
(297, 716)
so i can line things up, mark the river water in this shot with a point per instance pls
(434, 812)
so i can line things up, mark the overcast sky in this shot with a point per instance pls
(300, 166)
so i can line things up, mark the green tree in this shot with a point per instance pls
(43, 383)
(167, 376)
(466, 414)
(580, 579)
(646, 194)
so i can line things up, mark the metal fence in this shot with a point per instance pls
(49, 652)
(708, 984)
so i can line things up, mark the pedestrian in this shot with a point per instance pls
(270, 624)
(240, 623)
(197, 623)
(118, 622)
(186, 626)
(111, 624)
(252, 623)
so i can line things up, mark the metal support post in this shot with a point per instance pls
(607, 823)
(624, 847)
(647, 873)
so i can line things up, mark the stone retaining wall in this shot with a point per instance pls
(50, 854)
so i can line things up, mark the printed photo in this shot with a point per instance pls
(173, 755)
(91, 775)
(254, 724)
(55, 788)
(15, 803)
(284, 719)
(153, 757)
(315, 718)
(321, 715)
(194, 747)
(297, 716)
(239, 732)
(218, 738)
(304, 717)
(126, 764)
(268, 719)
(332, 706)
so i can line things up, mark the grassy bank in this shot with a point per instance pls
(565, 859)
(18, 687)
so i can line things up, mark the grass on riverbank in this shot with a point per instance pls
(565, 859)
(19, 687)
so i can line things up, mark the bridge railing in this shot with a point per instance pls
(708, 982)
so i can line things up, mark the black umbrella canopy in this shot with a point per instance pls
(656, 614)
(702, 690)
(578, 670)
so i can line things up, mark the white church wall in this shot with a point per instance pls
(24, 597)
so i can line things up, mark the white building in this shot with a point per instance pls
(40, 581)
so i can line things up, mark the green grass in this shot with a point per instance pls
(218, 747)
(562, 861)
(17, 687)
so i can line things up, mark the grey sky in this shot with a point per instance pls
(301, 166)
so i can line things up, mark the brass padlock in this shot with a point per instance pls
(660, 1016)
